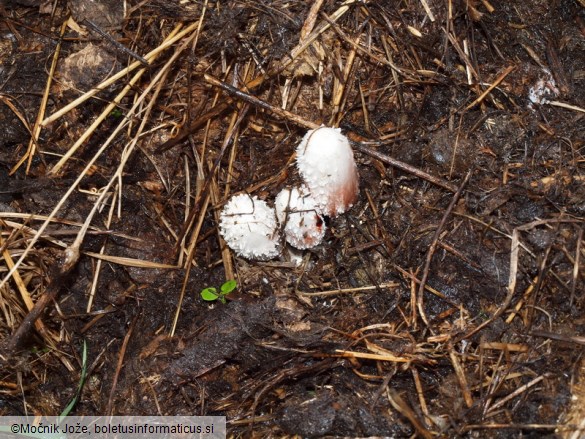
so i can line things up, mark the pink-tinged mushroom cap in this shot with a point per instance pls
(303, 226)
(249, 227)
(326, 164)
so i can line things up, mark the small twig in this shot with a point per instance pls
(514, 256)
(36, 130)
(428, 10)
(433, 247)
(579, 339)
(472, 427)
(311, 19)
(497, 82)
(120, 363)
(383, 386)
(460, 374)
(420, 392)
(365, 355)
(404, 409)
(172, 38)
(60, 271)
(405, 167)
(563, 105)
(312, 125)
(576, 264)
(120, 47)
(350, 290)
(246, 97)
(517, 392)
(197, 123)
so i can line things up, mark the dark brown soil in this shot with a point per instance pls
(448, 302)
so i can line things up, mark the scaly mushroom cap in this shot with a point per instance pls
(326, 164)
(303, 226)
(249, 227)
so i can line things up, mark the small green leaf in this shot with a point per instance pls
(229, 286)
(116, 112)
(209, 294)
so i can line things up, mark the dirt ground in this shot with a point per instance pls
(448, 302)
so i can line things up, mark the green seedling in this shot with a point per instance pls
(64, 413)
(116, 113)
(211, 294)
(82, 379)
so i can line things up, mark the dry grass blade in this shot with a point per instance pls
(576, 264)
(405, 410)
(96, 123)
(284, 114)
(309, 39)
(119, 171)
(175, 36)
(497, 82)
(432, 248)
(8, 102)
(98, 265)
(49, 338)
(517, 392)
(311, 19)
(120, 363)
(565, 105)
(428, 10)
(368, 356)
(213, 196)
(512, 278)
(189, 262)
(578, 339)
(406, 167)
(460, 373)
(36, 130)
(130, 262)
(348, 290)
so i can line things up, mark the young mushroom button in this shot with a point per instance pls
(249, 227)
(303, 226)
(326, 164)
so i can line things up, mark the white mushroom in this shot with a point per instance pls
(303, 226)
(249, 227)
(325, 161)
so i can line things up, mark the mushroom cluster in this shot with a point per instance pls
(326, 164)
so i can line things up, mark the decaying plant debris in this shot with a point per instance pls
(447, 303)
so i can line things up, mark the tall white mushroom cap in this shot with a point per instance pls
(303, 226)
(249, 227)
(326, 164)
